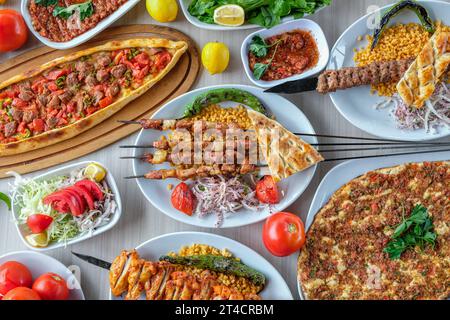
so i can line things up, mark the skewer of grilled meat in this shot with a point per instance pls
(188, 124)
(201, 172)
(174, 140)
(372, 74)
(165, 281)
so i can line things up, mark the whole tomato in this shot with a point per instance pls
(283, 234)
(14, 274)
(51, 286)
(22, 293)
(13, 31)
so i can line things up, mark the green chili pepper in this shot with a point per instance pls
(420, 11)
(221, 95)
(60, 82)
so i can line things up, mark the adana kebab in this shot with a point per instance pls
(163, 280)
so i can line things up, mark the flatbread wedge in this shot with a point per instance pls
(285, 153)
(74, 93)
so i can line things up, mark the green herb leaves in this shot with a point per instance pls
(86, 10)
(260, 49)
(417, 230)
(6, 200)
(46, 3)
(60, 82)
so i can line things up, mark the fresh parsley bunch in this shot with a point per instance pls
(417, 230)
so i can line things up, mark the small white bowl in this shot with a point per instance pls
(62, 171)
(39, 264)
(304, 24)
(82, 38)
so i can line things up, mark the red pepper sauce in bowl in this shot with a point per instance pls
(296, 53)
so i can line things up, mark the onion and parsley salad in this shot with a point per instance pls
(61, 208)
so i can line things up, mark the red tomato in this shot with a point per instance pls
(55, 74)
(163, 60)
(142, 59)
(13, 31)
(19, 103)
(22, 293)
(52, 86)
(39, 222)
(51, 286)
(38, 125)
(87, 196)
(283, 234)
(14, 274)
(183, 199)
(105, 102)
(63, 200)
(267, 191)
(77, 197)
(93, 188)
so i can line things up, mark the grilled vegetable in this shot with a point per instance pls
(220, 95)
(219, 264)
(421, 12)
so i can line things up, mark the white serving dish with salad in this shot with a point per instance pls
(158, 192)
(301, 24)
(276, 19)
(62, 229)
(86, 36)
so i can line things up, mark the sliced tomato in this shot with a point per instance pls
(92, 187)
(38, 125)
(61, 200)
(78, 198)
(267, 191)
(183, 199)
(105, 102)
(87, 196)
(39, 222)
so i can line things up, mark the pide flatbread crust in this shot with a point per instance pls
(293, 154)
(343, 257)
(176, 48)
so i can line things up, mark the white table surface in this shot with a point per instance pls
(140, 221)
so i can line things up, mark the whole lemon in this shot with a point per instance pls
(215, 57)
(162, 10)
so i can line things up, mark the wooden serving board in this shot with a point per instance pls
(178, 81)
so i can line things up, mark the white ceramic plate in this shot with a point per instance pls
(157, 191)
(63, 171)
(39, 263)
(347, 171)
(275, 289)
(102, 25)
(304, 24)
(193, 20)
(356, 104)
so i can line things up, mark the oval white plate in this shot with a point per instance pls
(349, 170)
(157, 192)
(356, 104)
(62, 171)
(39, 264)
(82, 38)
(275, 289)
(304, 24)
(193, 20)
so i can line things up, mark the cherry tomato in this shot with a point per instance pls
(14, 274)
(51, 286)
(93, 188)
(283, 234)
(13, 31)
(39, 222)
(267, 191)
(183, 199)
(22, 293)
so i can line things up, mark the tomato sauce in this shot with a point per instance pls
(295, 53)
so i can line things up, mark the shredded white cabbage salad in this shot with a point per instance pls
(433, 116)
(221, 195)
(65, 227)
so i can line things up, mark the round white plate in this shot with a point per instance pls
(275, 289)
(157, 191)
(349, 170)
(39, 263)
(356, 104)
(184, 4)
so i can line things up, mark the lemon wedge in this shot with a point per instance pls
(230, 15)
(39, 240)
(95, 172)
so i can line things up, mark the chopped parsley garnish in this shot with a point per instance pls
(46, 3)
(60, 82)
(417, 230)
(86, 10)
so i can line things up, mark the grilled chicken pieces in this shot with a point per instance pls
(161, 280)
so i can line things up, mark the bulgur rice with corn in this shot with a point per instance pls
(241, 284)
(216, 113)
